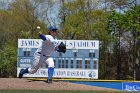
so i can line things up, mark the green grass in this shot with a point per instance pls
(58, 91)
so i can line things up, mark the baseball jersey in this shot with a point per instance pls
(48, 46)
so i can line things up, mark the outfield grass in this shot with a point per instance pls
(58, 91)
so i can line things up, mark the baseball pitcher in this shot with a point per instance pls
(44, 53)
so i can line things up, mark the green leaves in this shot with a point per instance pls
(82, 21)
(133, 17)
(8, 60)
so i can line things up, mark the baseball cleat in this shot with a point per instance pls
(48, 81)
(21, 73)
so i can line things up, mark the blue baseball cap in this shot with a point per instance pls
(52, 28)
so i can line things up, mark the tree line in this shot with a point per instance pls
(115, 23)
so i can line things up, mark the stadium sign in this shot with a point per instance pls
(79, 61)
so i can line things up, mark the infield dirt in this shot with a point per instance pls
(16, 83)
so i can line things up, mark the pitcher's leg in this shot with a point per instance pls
(50, 63)
(50, 74)
(36, 64)
(37, 61)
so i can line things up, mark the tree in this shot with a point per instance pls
(25, 15)
(8, 60)
(82, 21)
(6, 26)
(16, 22)
(133, 26)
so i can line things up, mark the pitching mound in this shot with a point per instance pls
(15, 83)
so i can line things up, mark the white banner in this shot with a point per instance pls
(29, 43)
(70, 44)
(65, 73)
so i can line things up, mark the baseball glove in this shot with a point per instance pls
(62, 47)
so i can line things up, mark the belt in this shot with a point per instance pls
(38, 52)
(43, 55)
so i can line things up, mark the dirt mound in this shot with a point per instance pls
(16, 83)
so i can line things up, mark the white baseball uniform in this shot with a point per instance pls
(44, 54)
